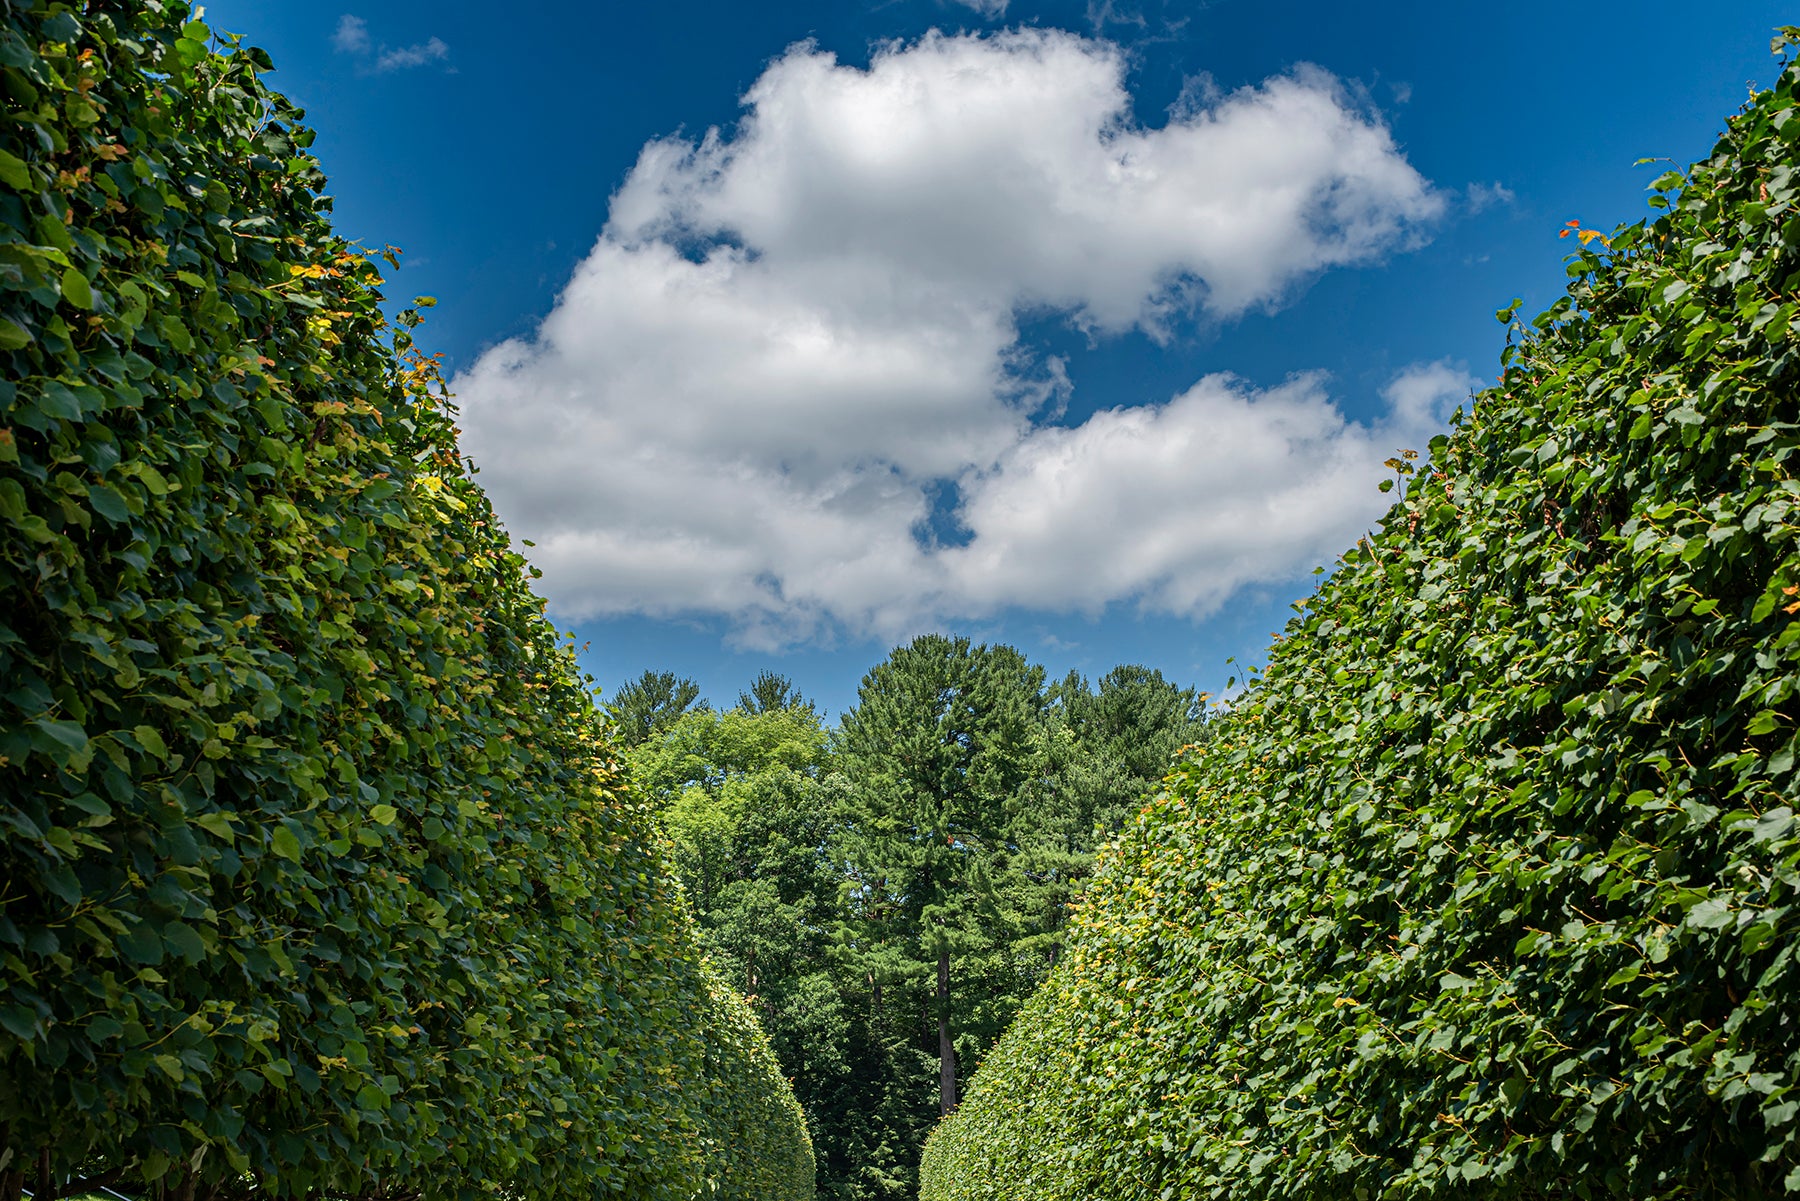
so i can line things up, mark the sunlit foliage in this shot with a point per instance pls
(1485, 888)
(317, 875)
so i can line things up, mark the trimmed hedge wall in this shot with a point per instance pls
(317, 875)
(1486, 887)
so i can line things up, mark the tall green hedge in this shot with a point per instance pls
(1486, 888)
(317, 875)
(753, 1132)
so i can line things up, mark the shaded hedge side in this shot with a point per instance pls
(1486, 888)
(317, 875)
(754, 1135)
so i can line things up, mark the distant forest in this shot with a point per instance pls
(889, 890)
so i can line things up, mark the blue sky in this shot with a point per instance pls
(789, 330)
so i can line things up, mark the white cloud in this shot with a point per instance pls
(1423, 396)
(431, 50)
(787, 337)
(1181, 504)
(352, 36)
(1482, 196)
(1101, 13)
(987, 8)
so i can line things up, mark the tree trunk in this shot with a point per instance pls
(946, 1052)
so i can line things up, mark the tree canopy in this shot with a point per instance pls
(650, 704)
(778, 825)
(770, 691)
(940, 745)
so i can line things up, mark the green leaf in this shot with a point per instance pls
(177, 334)
(12, 335)
(59, 402)
(1773, 825)
(1711, 914)
(184, 941)
(61, 883)
(151, 740)
(1782, 761)
(13, 172)
(153, 480)
(20, 1022)
(67, 733)
(76, 290)
(105, 501)
(140, 944)
(383, 814)
(218, 825)
(283, 842)
(87, 802)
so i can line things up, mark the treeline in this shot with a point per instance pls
(317, 874)
(890, 890)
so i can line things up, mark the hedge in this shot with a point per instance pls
(317, 873)
(1485, 888)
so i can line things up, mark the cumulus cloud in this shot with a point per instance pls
(790, 338)
(1181, 504)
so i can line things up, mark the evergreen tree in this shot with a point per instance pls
(772, 691)
(941, 746)
(650, 704)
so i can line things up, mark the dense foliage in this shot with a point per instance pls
(317, 875)
(779, 828)
(649, 705)
(1486, 888)
(751, 803)
(940, 746)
